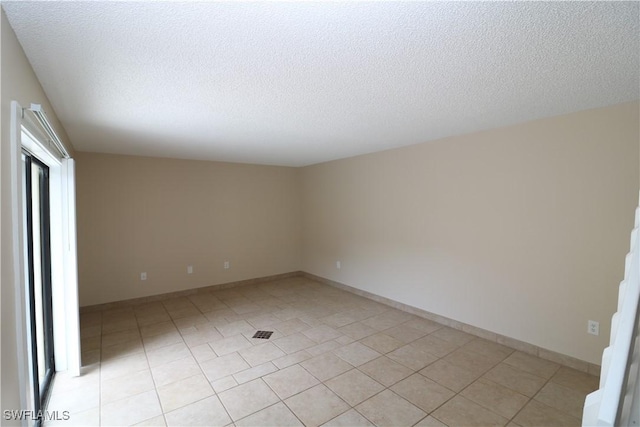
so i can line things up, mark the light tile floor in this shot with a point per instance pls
(334, 359)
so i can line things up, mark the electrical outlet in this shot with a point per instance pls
(593, 327)
(227, 265)
(189, 269)
(338, 265)
(143, 275)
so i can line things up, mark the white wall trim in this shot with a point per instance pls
(70, 279)
(22, 346)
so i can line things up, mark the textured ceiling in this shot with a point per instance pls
(300, 83)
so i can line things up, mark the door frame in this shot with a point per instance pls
(40, 395)
(64, 268)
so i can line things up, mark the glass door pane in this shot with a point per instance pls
(36, 194)
(38, 274)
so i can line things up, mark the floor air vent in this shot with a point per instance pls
(264, 335)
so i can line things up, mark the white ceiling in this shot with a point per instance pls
(301, 83)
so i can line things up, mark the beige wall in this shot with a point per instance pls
(157, 215)
(521, 231)
(19, 83)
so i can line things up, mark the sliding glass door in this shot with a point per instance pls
(38, 275)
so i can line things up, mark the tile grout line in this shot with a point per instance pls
(99, 372)
(469, 385)
(250, 367)
(155, 386)
(532, 398)
(373, 314)
(280, 400)
(200, 368)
